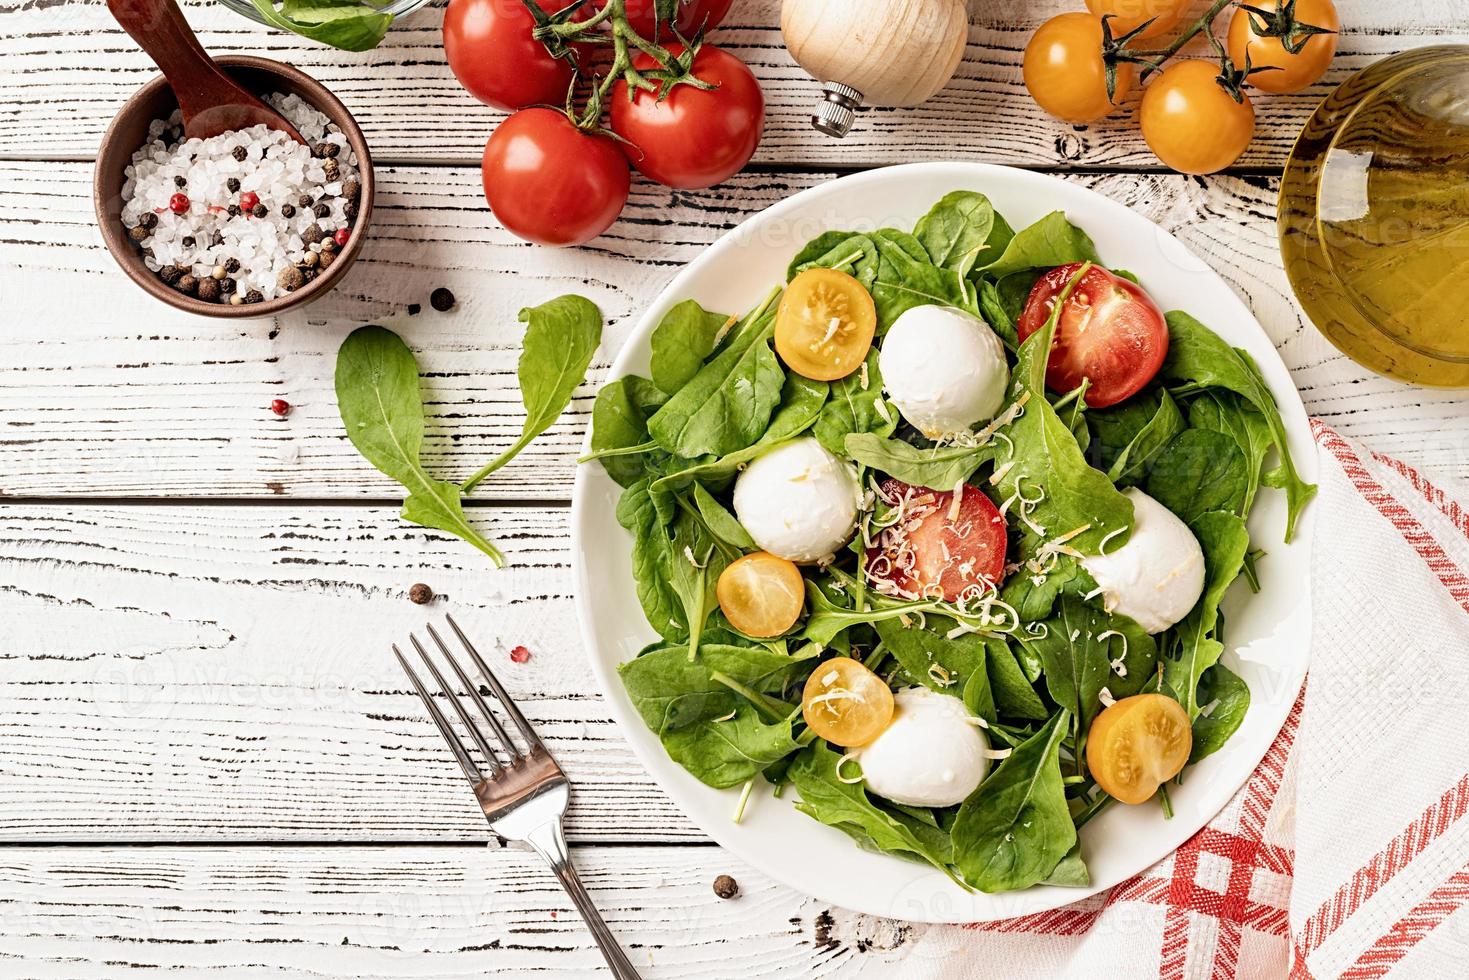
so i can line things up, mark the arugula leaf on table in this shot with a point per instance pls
(1225, 542)
(1015, 830)
(620, 428)
(1050, 242)
(1224, 411)
(939, 468)
(1200, 471)
(1230, 697)
(382, 408)
(1200, 358)
(681, 342)
(1079, 649)
(853, 408)
(963, 230)
(347, 24)
(727, 405)
(561, 337)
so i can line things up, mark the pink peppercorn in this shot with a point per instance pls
(341, 236)
(281, 407)
(179, 203)
(520, 655)
(248, 200)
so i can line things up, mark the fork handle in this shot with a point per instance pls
(549, 842)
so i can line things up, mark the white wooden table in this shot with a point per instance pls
(207, 758)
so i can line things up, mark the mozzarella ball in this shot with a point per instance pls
(932, 754)
(944, 369)
(798, 501)
(1157, 577)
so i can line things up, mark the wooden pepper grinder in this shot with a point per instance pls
(881, 52)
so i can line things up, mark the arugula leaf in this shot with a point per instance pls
(1224, 411)
(940, 468)
(917, 650)
(1013, 693)
(347, 24)
(727, 406)
(853, 408)
(620, 424)
(846, 806)
(1200, 471)
(1230, 697)
(561, 337)
(382, 408)
(681, 342)
(827, 619)
(1078, 651)
(1050, 242)
(1015, 830)
(1131, 436)
(1225, 541)
(1199, 357)
(963, 230)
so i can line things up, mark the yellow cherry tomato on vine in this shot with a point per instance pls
(1192, 123)
(825, 325)
(1291, 72)
(761, 594)
(845, 703)
(1065, 73)
(1129, 15)
(1137, 745)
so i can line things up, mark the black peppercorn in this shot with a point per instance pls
(217, 239)
(235, 211)
(209, 290)
(149, 220)
(188, 241)
(332, 169)
(227, 285)
(327, 150)
(441, 299)
(180, 183)
(322, 210)
(138, 233)
(288, 210)
(232, 185)
(186, 284)
(312, 234)
(170, 274)
(349, 208)
(291, 278)
(351, 188)
(726, 887)
(421, 594)
(304, 201)
(326, 258)
(232, 265)
(260, 210)
(239, 153)
(414, 309)
(254, 296)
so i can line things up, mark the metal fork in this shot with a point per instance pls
(523, 800)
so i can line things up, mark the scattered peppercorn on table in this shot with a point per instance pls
(199, 575)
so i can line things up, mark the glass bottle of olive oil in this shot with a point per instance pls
(1374, 217)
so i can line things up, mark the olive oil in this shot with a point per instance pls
(1374, 217)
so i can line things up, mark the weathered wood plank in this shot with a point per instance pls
(66, 68)
(224, 673)
(387, 913)
(96, 377)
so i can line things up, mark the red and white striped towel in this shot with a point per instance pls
(1347, 853)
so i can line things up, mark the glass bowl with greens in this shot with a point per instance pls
(352, 25)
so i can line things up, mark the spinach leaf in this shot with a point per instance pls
(846, 806)
(1227, 699)
(905, 280)
(959, 661)
(347, 24)
(801, 406)
(727, 406)
(727, 752)
(1015, 829)
(1200, 471)
(382, 408)
(1224, 411)
(993, 311)
(1199, 357)
(672, 692)
(1050, 242)
(1013, 693)
(675, 573)
(620, 422)
(1033, 596)
(1084, 650)
(1128, 464)
(940, 468)
(1049, 466)
(835, 250)
(681, 342)
(721, 523)
(1072, 871)
(1196, 648)
(963, 230)
(561, 337)
(853, 408)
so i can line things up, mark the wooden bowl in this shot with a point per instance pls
(156, 100)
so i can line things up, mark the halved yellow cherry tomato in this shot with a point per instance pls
(825, 325)
(845, 703)
(1139, 744)
(761, 594)
(1285, 72)
(1065, 73)
(1129, 15)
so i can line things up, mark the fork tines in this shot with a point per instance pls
(461, 752)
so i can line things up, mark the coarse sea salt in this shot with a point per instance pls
(275, 168)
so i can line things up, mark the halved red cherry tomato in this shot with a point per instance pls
(1111, 333)
(491, 51)
(935, 551)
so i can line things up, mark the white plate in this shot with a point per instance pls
(1269, 633)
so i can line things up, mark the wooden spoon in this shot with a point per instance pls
(211, 101)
